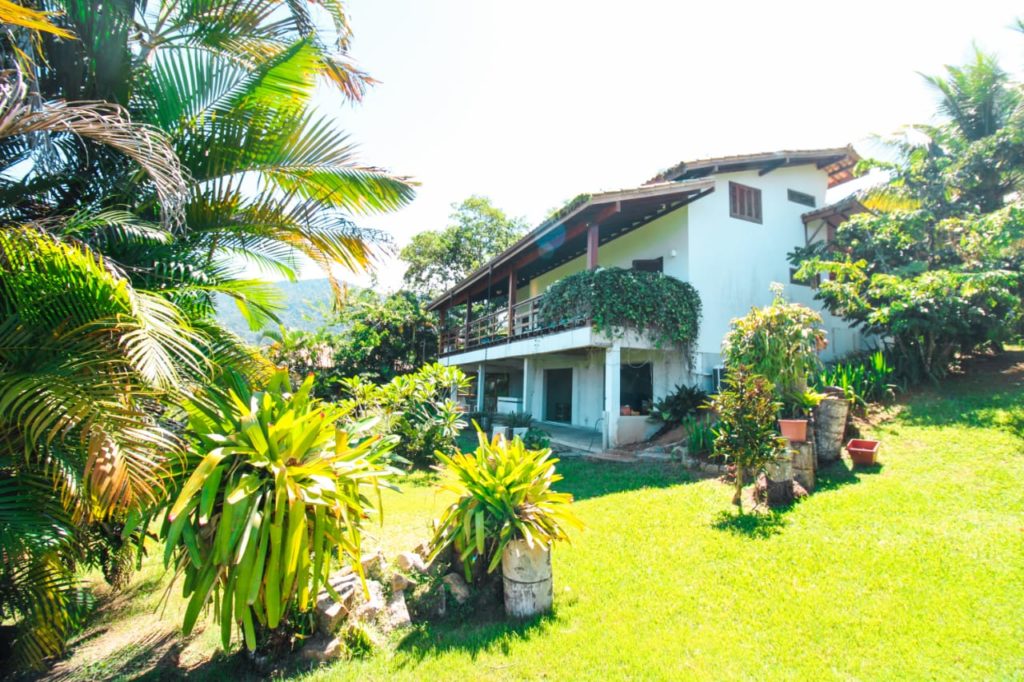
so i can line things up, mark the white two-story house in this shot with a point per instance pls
(724, 225)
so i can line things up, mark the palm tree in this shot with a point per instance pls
(230, 81)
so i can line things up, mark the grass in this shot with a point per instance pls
(912, 569)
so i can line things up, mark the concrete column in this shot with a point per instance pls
(528, 387)
(612, 394)
(480, 388)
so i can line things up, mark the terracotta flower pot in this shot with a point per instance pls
(794, 430)
(863, 452)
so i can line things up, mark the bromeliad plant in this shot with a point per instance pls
(504, 493)
(278, 499)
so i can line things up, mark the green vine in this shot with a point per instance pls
(615, 300)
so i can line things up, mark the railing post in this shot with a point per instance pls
(469, 320)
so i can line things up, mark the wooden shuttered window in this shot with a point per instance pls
(745, 202)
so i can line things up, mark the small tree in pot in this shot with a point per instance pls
(745, 431)
(506, 514)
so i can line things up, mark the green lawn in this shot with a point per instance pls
(910, 570)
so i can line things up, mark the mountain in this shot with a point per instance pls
(304, 302)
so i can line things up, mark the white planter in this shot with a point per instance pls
(526, 574)
(519, 432)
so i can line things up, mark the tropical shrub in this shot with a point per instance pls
(615, 300)
(779, 341)
(745, 433)
(519, 420)
(536, 439)
(85, 362)
(862, 380)
(277, 498)
(700, 439)
(417, 408)
(682, 403)
(504, 493)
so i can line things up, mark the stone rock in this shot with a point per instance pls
(399, 582)
(411, 561)
(428, 602)
(322, 649)
(397, 612)
(368, 608)
(373, 565)
(423, 549)
(798, 490)
(458, 588)
(329, 612)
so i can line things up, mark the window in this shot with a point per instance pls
(801, 198)
(815, 281)
(744, 202)
(636, 388)
(651, 265)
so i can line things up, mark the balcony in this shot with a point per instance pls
(498, 327)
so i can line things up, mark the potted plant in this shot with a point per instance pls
(800, 405)
(506, 514)
(863, 452)
(520, 422)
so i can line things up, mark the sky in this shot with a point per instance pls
(533, 102)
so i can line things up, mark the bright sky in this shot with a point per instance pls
(532, 102)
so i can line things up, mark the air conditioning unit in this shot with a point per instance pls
(717, 377)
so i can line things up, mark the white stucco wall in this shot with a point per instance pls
(732, 262)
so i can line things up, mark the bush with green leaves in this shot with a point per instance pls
(681, 403)
(616, 300)
(700, 439)
(779, 341)
(536, 439)
(863, 379)
(745, 433)
(504, 492)
(417, 408)
(276, 500)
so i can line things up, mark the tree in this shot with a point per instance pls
(745, 433)
(157, 142)
(229, 83)
(933, 268)
(373, 337)
(477, 231)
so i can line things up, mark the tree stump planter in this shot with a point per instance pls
(779, 478)
(526, 575)
(830, 427)
(805, 467)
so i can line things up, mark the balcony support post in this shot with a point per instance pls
(512, 278)
(469, 319)
(527, 385)
(593, 237)
(612, 394)
(480, 387)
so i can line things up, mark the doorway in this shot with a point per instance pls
(558, 395)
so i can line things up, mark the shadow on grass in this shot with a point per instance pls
(756, 525)
(986, 395)
(473, 635)
(838, 474)
(586, 478)
(152, 657)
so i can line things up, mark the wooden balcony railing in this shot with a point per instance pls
(495, 328)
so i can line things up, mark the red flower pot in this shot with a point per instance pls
(863, 452)
(794, 430)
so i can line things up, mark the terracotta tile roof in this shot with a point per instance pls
(838, 162)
